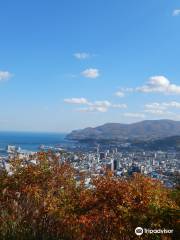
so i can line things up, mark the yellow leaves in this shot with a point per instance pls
(44, 198)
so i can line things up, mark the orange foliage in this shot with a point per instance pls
(43, 201)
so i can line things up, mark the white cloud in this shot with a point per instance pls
(91, 73)
(120, 94)
(156, 112)
(96, 106)
(76, 100)
(104, 103)
(101, 106)
(161, 108)
(176, 12)
(159, 84)
(134, 115)
(171, 104)
(4, 75)
(81, 55)
(122, 91)
(163, 105)
(155, 84)
(93, 109)
(155, 106)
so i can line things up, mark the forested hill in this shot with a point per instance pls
(149, 129)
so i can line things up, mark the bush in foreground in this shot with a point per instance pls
(43, 201)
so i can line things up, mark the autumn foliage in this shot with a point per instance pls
(43, 201)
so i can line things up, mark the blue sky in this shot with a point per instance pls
(68, 64)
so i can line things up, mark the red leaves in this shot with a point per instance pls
(44, 199)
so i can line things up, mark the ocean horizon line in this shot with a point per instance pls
(33, 132)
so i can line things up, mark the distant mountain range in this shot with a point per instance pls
(144, 130)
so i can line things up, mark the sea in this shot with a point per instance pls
(30, 141)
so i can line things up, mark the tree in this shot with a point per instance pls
(43, 201)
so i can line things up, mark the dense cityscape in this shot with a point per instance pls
(95, 161)
(89, 120)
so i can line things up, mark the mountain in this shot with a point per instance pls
(149, 129)
(164, 144)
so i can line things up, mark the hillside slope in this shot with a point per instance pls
(149, 129)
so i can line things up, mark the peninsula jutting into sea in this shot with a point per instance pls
(89, 120)
(147, 159)
(151, 148)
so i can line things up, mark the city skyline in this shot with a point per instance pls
(70, 65)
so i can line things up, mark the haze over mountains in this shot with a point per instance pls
(144, 130)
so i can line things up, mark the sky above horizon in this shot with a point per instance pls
(68, 64)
